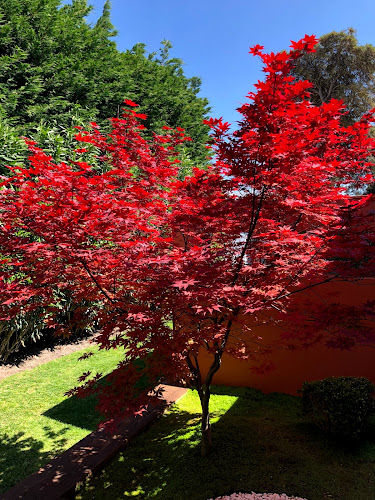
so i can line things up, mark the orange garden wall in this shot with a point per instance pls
(292, 368)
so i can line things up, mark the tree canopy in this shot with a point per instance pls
(54, 65)
(266, 220)
(340, 68)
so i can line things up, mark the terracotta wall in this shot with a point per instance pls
(295, 367)
(292, 368)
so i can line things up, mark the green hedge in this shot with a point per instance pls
(341, 406)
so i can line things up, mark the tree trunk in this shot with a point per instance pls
(205, 392)
(206, 443)
(204, 395)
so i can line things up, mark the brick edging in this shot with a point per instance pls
(59, 477)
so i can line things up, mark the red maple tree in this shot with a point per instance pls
(271, 216)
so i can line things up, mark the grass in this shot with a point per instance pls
(261, 444)
(37, 422)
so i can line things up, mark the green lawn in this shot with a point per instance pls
(261, 444)
(37, 422)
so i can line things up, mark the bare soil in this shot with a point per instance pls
(44, 356)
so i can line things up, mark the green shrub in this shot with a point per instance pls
(14, 334)
(26, 331)
(339, 405)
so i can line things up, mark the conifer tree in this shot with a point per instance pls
(55, 66)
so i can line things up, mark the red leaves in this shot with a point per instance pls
(256, 50)
(130, 103)
(306, 44)
(184, 284)
(212, 122)
(267, 218)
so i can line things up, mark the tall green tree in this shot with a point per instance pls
(57, 71)
(341, 69)
(54, 65)
(167, 96)
(51, 60)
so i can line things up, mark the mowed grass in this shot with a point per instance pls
(261, 444)
(37, 422)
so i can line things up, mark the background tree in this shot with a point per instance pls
(55, 66)
(167, 97)
(340, 68)
(262, 223)
(58, 72)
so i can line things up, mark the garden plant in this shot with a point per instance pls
(177, 266)
(342, 406)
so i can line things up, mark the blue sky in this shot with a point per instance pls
(213, 37)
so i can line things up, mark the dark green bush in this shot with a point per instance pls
(341, 406)
(27, 334)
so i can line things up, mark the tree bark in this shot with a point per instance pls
(206, 442)
(204, 390)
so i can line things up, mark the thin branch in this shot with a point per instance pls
(194, 370)
(85, 266)
(253, 223)
(307, 287)
(319, 296)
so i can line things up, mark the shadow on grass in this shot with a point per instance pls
(79, 412)
(260, 444)
(21, 456)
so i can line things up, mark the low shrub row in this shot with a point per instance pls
(341, 406)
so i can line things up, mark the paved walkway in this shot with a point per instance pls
(58, 479)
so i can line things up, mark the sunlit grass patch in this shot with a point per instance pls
(260, 443)
(37, 422)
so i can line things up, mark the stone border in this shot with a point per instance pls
(58, 479)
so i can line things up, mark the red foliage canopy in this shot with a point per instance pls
(266, 219)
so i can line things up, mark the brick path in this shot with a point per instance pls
(58, 478)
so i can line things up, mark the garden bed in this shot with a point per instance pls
(18, 362)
